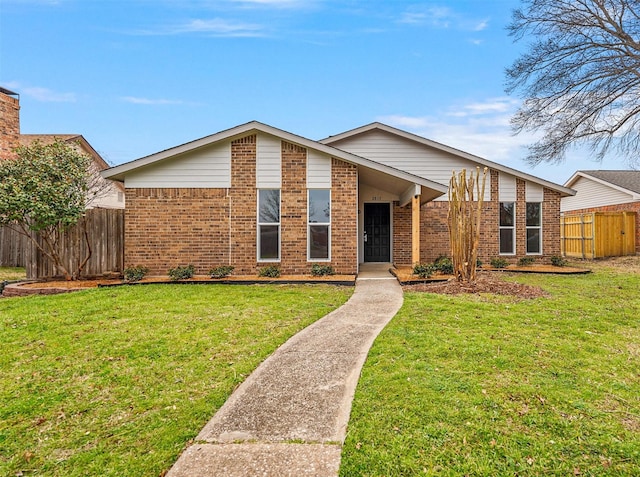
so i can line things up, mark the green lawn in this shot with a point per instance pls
(115, 382)
(12, 273)
(493, 386)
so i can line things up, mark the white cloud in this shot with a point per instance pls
(218, 27)
(147, 101)
(481, 128)
(42, 94)
(435, 16)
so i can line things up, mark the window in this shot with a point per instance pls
(507, 228)
(534, 222)
(269, 224)
(319, 204)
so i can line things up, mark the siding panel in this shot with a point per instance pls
(318, 170)
(593, 194)
(534, 192)
(208, 167)
(409, 156)
(506, 188)
(268, 162)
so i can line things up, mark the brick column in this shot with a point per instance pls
(293, 210)
(244, 206)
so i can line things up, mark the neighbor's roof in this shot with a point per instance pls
(28, 139)
(119, 172)
(624, 180)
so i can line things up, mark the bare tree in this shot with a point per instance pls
(466, 196)
(580, 78)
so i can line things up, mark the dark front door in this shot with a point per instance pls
(377, 233)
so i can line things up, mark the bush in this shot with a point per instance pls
(423, 270)
(182, 273)
(135, 274)
(221, 271)
(526, 261)
(499, 262)
(558, 261)
(443, 265)
(318, 270)
(478, 263)
(272, 271)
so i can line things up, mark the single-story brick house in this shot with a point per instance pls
(605, 191)
(255, 195)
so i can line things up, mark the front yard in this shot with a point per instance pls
(115, 382)
(492, 385)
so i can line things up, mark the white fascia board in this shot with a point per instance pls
(565, 191)
(579, 174)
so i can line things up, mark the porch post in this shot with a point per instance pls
(415, 229)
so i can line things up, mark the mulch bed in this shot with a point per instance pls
(486, 282)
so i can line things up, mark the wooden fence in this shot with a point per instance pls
(598, 234)
(13, 248)
(106, 235)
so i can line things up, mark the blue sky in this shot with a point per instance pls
(138, 76)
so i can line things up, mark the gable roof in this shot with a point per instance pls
(28, 139)
(564, 191)
(623, 180)
(101, 164)
(119, 172)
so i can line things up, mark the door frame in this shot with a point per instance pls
(361, 230)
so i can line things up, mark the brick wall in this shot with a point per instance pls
(344, 217)
(293, 211)
(628, 207)
(244, 206)
(9, 125)
(211, 227)
(165, 228)
(434, 231)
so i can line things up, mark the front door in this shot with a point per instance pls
(377, 233)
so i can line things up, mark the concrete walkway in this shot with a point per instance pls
(289, 418)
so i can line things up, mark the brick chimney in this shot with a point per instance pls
(9, 123)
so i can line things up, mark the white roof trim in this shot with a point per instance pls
(118, 172)
(578, 174)
(565, 191)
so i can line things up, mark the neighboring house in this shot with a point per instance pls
(605, 191)
(254, 195)
(104, 193)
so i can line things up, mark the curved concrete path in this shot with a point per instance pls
(289, 418)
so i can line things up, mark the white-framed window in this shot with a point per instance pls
(268, 225)
(319, 225)
(507, 228)
(534, 228)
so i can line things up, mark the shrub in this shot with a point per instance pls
(499, 262)
(135, 274)
(221, 271)
(478, 263)
(272, 271)
(318, 270)
(182, 273)
(443, 265)
(558, 261)
(423, 270)
(526, 261)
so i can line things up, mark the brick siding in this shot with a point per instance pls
(434, 230)
(165, 228)
(9, 126)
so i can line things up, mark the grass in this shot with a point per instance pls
(490, 386)
(115, 382)
(12, 273)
